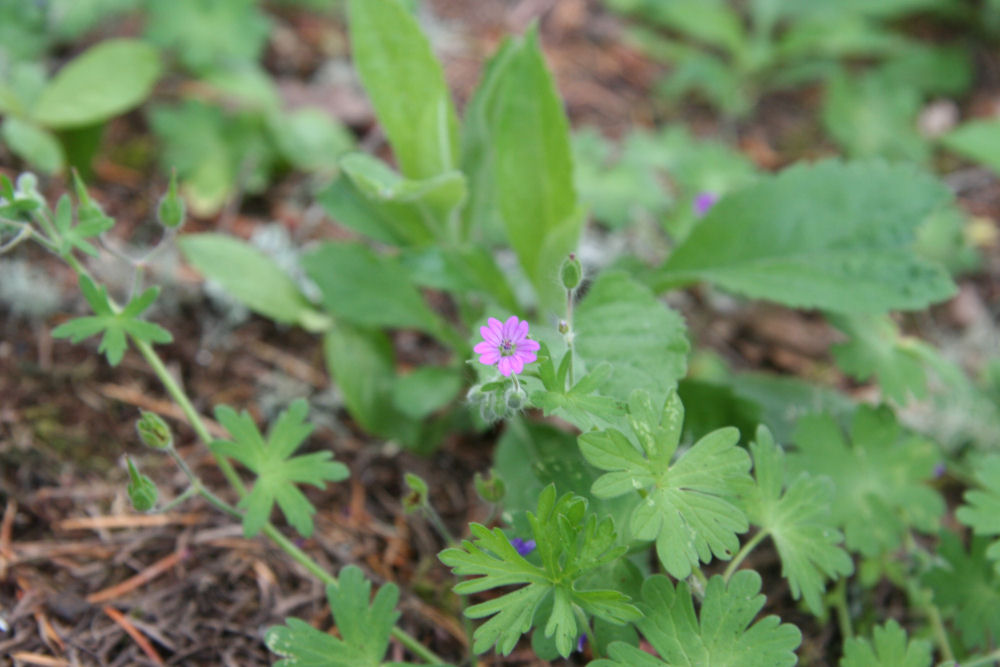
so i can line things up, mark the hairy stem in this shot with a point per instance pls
(840, 605)
(743, 553)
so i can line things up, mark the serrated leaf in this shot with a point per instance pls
(878, 477)
(876, 348)
(621, 322)
(570, 545)
(981, 510)
(720, 636)
(797, 518)
(277, 470)
(967, 588)
(889, 648)
(688, 505)
(116, 326)
(832, 235)
(106, 80)
(406, 85)
(252, 278)
(364, 629)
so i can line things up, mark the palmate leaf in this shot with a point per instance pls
(364, 630)
(889, 649)
(720, 636)
(571, 544)
(116, 327)
(967, 589)
(798, 521)
(878, 479)
(832, 235)
(876, 348)
(276, 469)
(90, 222)
(689, 506)
(981, 510)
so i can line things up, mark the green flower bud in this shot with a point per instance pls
(491, 490)
(170, 212)
(571, 272)
(153, 431)
(141, 489)
(515, 399)
(416, 499)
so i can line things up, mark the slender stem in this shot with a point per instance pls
(840, 604)
(940, 634)
(188, 492)
(743, 553)
(568, 336)
(984, 660)
(200, 488)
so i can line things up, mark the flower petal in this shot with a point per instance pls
(516, 363)
(489, 334)
(521, 331)
(505, 365)
(526, 357)
(510, 327)
(484, 347)
(489, 358)
(528, 345)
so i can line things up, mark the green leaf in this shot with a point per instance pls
(277, 470)
(116, 327)
(107, 80)
(519, 121)
(208, 34)
(35, 145)
(252, 278)
(571, 544)
(91, 222)
(981, 510)
(714, 23)
(580, 405)
(467, 269)
(426, 390)
(621, 322)
(364, 630)
(688, 504)
(879, 478)
(372, 290)
(311, 139)
(889, 649)
(406, 85)
(978, 140)
(798, 521)
(877, 349)
(722, 634)
(832, 235)
(967, 588)
(430, 204)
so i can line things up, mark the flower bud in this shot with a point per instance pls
(141, 490)
(416, 499)
(170, 212)
(563, 327)
(571, 272)
(515, 399)
(492, 490)
(153, 431)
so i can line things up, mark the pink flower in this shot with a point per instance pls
(507, 345)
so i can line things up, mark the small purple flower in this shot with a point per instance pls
(507, 345)
(523, 547)
(703, 201)
(939, 470)
(580, 643)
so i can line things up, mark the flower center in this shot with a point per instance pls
(507, 348)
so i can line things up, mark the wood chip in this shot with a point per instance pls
(129, 521)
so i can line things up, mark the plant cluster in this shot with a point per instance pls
(635, 487)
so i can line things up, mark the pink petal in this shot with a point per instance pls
(526, 357)
(496, 326)
(510, 327)
(516, 363)
(522, 331)
(528, 345)
(484, 347)
(505, 365)
(490, 358)
(489, 335)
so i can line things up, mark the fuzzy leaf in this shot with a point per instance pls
(364, 630)
(879, 478)
(277, 470)
(798, 521)
(967, 588)
(688, 506)
(890, 648)
(981, 510)
(570, 545)
(116, 327)
(722, 634)
(833, 235)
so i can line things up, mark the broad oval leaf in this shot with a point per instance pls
(108, 79)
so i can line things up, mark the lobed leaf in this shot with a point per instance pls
(889, 648)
